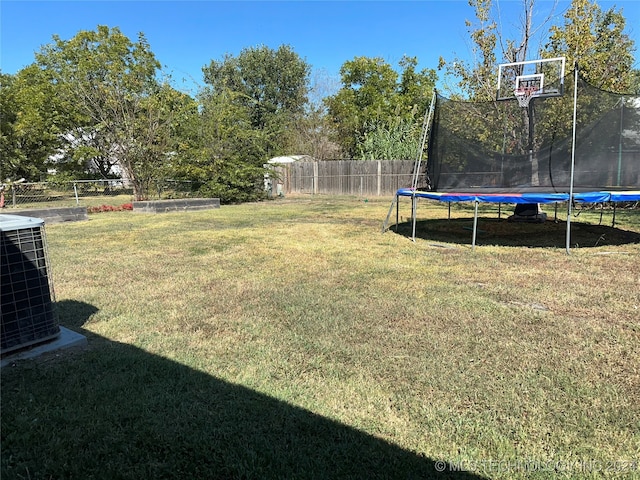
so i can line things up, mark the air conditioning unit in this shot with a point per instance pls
(27, 313)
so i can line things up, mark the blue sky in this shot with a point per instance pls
(186, 35)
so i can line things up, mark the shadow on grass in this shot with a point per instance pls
(494, 231)
(115, 411)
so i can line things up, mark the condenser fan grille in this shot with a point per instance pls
(26, 309)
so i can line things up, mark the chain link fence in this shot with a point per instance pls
(85, 193)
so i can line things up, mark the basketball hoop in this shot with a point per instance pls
(525, 94)
(546, 75)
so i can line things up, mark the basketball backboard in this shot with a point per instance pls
(530, 79)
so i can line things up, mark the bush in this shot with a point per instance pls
(110, 208)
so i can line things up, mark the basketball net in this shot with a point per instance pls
(524, 94)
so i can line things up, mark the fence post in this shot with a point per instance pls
(379, 176)
(13, 194)
(315, 177)
(75, 192)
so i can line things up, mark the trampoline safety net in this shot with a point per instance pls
(500, 146)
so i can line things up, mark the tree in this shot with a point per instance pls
(593, 38)
(368, 85)
(251, 108)
(31, 117)
(313, 132)
(227, 154)
(415, 88)
(112, 83)
(476, 79)
(597, 42)
(9, 149)
(374, 96)
(271, 84)
(635, 82)
(156, 133)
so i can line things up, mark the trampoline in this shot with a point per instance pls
(579, 144)
(509, 198)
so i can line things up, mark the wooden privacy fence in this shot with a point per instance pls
(343, 177)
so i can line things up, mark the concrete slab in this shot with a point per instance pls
(66, 339)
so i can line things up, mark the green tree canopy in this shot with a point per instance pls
(252, 108)
(596, 40)
(593, 38)
(228, 162)
(271, 84)
(32, 118)
(111, 82)
(476, 78)
(375, 99)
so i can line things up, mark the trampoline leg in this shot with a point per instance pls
(613, 220)
(386, 221)
(475, 225)
(601, 210)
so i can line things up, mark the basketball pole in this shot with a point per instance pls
(573, 155)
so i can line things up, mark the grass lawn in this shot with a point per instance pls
(291, 339)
